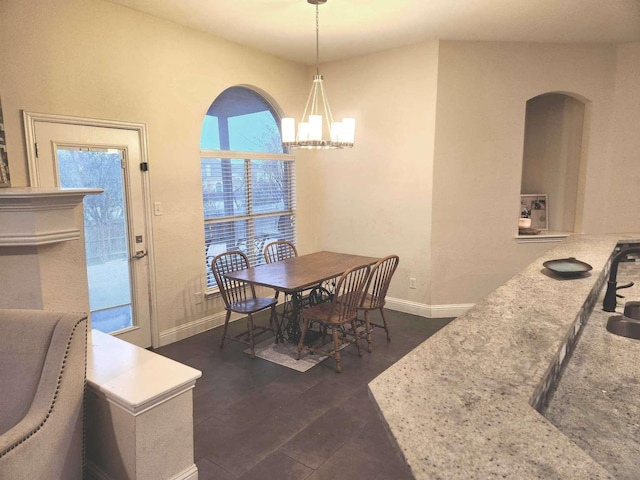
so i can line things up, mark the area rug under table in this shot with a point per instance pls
(284, 353)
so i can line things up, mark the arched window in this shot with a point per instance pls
(248, 183)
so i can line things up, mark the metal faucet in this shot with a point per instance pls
(609, 303)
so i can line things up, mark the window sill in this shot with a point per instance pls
(212, 292)
(542, 237)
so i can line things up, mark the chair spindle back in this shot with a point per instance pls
(349, 291)
(379, 280)
(232, 291)
(280, 250)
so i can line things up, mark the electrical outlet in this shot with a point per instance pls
(412, 282)
(198, 296)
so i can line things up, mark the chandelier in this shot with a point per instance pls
(317, 129)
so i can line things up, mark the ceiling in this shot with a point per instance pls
(348, 28)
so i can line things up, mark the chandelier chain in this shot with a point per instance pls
(317, 41)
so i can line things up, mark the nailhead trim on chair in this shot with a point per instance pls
(84, 405)
(55, 394)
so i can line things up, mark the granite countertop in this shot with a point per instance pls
(599, 408)
(460, 405)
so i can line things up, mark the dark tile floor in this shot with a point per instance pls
(254, 419)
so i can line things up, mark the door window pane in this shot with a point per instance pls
(105, 230)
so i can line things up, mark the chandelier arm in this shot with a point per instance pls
(327, 108)
(310, 101)
(314, 104)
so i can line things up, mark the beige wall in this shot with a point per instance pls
(375, 199)
(435, 173)
(623, 188)
(482, 92)
(92, 58)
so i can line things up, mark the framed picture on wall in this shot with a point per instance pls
(535, 207)
(4, 161)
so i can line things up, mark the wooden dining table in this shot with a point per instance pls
(295, 275)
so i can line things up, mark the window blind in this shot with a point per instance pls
(249, 201)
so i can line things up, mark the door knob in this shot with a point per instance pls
(140, 254)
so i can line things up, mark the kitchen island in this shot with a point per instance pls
(466, 403)
(599, 408)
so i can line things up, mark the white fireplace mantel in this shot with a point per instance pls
(39, 216)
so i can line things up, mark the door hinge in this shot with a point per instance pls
(144, 166)
(37, 151)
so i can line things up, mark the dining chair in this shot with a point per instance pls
(240, 297)
(283, 249)
(336, 314)
(276, 252)
(279, 250)
(375, 293)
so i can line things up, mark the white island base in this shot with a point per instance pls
(139, 413)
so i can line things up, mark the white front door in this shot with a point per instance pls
(69, 155)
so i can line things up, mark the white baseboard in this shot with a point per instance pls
(96, 473)
(424, 310)
(211, 321)
(453, 310)
(406, 306)
(198, 326)
(192, 328)
(190, 473)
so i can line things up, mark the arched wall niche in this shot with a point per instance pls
(554, 156)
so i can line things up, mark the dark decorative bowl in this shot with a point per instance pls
(632, 310)
(567, 267)
(624, 326)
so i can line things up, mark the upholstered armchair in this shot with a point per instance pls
(42, 381)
